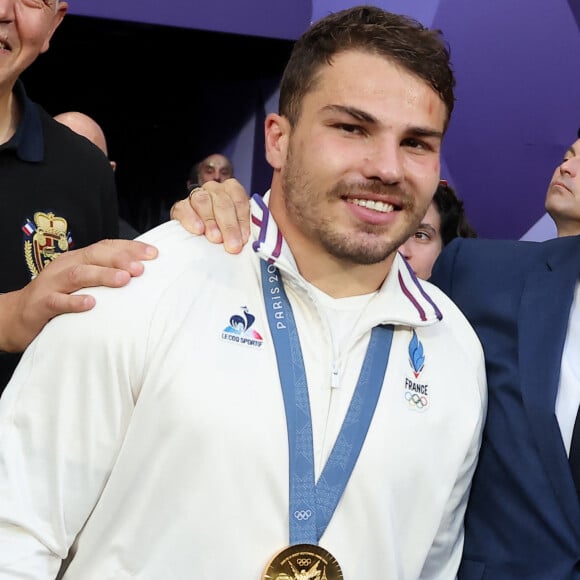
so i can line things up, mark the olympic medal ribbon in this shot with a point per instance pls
(354, 429)
(311, 507)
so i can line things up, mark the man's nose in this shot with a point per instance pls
(383, 161)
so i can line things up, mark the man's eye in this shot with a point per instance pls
(415, 144)
(349, 128)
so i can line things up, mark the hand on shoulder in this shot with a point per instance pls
(220, 211)
(111, 263)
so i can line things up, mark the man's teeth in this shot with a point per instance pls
(374, 205)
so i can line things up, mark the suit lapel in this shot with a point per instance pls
(543, 321)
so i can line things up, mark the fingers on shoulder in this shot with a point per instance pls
(61, 303)
(122, 254)
(81, 276)
(236, 192)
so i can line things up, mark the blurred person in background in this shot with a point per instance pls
(444, 221)
(563, 195)
(215, 167)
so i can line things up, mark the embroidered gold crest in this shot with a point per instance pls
(46, 238)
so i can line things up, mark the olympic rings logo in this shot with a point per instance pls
(303, 514)
(418, 401)
(303, 561)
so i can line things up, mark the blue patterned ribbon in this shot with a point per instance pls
(312, 504)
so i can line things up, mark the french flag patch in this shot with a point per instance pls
(28, 228)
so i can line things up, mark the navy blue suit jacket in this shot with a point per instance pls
(523, 516)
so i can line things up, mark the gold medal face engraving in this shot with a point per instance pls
(303, 562)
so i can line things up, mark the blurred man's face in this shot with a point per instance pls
(215, 168)
(26, 27)
(563, 195)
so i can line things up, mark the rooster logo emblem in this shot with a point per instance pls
(240, 329)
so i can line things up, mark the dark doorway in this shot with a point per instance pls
(164, 96)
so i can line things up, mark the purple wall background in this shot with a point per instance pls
(284, 19)
(518, 91)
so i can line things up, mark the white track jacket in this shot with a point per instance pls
(147, 439)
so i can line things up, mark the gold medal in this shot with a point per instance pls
(303, 562)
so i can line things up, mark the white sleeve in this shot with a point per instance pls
(445, 554)
(63, 417)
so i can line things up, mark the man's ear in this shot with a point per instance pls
(276, 132)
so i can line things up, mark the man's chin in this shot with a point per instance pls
(362, 254)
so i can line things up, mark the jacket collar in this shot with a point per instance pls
(402, 299)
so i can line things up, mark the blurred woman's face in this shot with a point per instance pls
(424, 246)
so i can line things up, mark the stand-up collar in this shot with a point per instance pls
(402, 299)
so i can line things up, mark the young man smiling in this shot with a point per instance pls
(313, 436)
